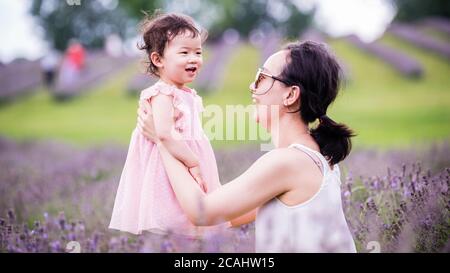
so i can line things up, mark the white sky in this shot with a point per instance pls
(366, 18)
(21, 37)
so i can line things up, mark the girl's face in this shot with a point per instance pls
(182, 59)
(268, 93)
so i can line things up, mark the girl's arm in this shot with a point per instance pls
(260, 183)
(162, 111)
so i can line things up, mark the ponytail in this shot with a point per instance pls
(318, 74)
(333, 139)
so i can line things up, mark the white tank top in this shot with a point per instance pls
(316, 225)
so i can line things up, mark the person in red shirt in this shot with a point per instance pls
(75, 55)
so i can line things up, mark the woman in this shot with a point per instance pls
(294, 189)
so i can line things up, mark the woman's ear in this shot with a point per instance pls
(156, 59)
(292, 96)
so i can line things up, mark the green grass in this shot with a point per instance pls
(386, 109)
(104, 114)
(235, 91)
(383, 107)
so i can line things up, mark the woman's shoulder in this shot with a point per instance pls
(281, 164)
(285, 158)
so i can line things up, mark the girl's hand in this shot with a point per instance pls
(145, 121)
(196, 174)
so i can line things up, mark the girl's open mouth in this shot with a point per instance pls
(191, 69)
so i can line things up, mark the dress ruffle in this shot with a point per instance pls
(169, 90)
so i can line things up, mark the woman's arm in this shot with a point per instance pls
(260, 183)
(244, 219)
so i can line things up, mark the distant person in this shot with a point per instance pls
(73, 63)
(49, 66)
(75, 55)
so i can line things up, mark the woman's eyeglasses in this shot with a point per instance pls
(264, 82)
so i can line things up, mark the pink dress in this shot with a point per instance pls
(145, 200)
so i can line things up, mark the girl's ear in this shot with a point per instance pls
(156, 59)
(292, 96)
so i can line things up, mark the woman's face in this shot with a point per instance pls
(269, 93)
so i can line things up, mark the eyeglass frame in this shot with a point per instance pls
(261, 72)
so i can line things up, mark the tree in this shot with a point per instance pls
(136, 7)
(411, 10)
(89, 22)
(92, 20)
(242, 15)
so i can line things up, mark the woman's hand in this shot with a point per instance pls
(145, 121)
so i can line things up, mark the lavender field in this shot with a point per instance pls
(53, 193)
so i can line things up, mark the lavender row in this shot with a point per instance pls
(420, 39)
(139, 82)
(19, 78)
(315, 35)
(438, 23)
(268, 42)
(99, 67)
(400, 61)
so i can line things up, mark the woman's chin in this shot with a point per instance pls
(262, 123)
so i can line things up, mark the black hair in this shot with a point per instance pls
(318, 74)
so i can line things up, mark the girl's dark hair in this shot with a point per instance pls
(159, 29)
(318, 74)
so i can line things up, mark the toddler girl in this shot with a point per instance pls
(145, 200)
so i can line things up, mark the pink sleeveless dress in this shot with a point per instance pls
(145, 200)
